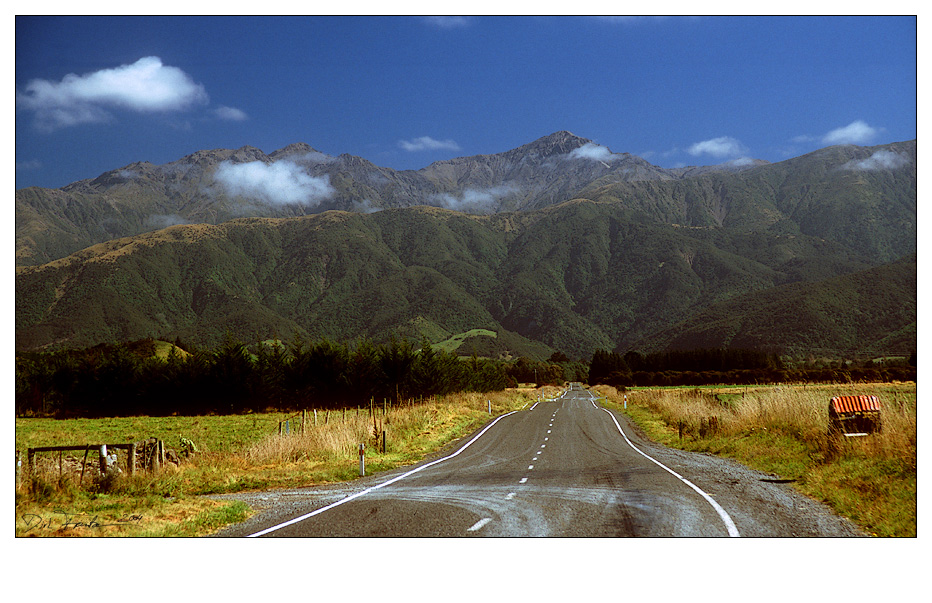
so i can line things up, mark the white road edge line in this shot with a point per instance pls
(479, 524)
(382, 485)
(732, 528)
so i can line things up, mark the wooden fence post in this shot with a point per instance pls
(84, 464)
(155, 464)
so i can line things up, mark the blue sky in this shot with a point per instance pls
(96, 93)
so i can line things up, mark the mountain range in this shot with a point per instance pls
(559, 244)
(219, 185)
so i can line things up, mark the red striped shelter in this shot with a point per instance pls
(854, 415)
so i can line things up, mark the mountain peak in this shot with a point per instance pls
(558, 143)
(295, 148)
(213, 156)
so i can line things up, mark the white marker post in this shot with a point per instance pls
(490, 407)
(362, 460)
(626, 401)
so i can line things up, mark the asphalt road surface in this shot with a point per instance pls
(561, 468)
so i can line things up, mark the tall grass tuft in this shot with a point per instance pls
(333, 439)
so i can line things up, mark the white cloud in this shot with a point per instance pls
(230, 114)
(857, 132)
(881, 160)
(426, 143)
(159, 221)
(282, 182)
(32, 164)
(476, 200)
(365, 207)
(723, 146)
(448, 22)
(627, 19)
(593, 152)
(145, 86)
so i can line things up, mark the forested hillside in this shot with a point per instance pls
(574, 277)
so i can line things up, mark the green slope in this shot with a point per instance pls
(573, 277)
(868, 313)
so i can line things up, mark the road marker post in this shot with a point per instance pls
(362, 460)
(626, 401)
(490, 407)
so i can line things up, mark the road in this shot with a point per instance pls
(561, 468)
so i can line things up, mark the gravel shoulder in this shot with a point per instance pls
(761, 504)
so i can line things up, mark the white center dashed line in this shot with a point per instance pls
(510, 495)
(479, 524)
(522, 480)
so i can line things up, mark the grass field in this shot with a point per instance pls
(453, 343)
(783, 430)
(234, 453)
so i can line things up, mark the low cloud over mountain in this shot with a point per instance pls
(280, 183)
(881, 160)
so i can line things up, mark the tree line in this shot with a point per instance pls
(732, 367)
(128, 379)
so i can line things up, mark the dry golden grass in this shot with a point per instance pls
(799, 411)
(332, 439)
